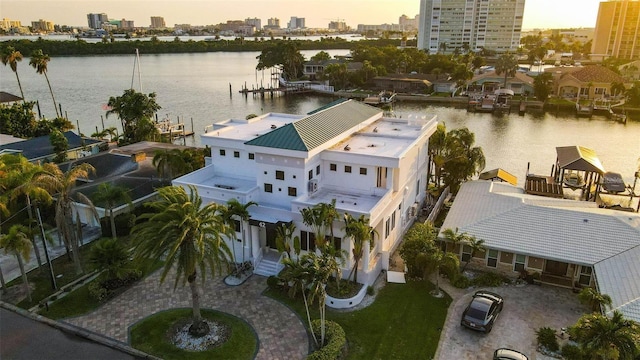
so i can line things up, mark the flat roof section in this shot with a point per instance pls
(245, 130)
(349, 202)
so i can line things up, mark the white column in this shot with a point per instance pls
(255, 241)
(365, 258)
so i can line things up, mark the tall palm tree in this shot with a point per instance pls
(330, 215)
(18, 243)
(455, 237)
(433, 261)
(286, 242)
(360, 232)
(607, 338)
(314, 217)
(298, 276)
(189, 236)
(61, 184)
(236, 209)
(111, 196)
(39, 61)
(12, 56)
(476, 245)
(507, 64)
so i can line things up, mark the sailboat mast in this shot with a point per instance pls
(136, 62)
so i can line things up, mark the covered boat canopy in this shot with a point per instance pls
(579, 158)
(613, 183)
(5, 97)
(504, 92)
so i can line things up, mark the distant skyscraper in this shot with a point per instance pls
(96, 20)
(273, 22)
(42, 25)
(489, 24)
(254, 22)
(296, 23)
(157, 22)
(618, 29)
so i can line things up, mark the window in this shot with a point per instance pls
(387, 228)
(310, 174)
(393, 220)
(337, 242)
(381, 177)
(466, 253)
(236, 154)
(519, 263)
(293, 191)
(347, 169)
(333, 167)
(492, 258)
(252, 156)
(307, 241)
(363, 171)
(318, 170)
(236, 225)
(222, 152)
(268, 188)
(279, 174)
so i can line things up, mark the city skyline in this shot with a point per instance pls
(318, 14)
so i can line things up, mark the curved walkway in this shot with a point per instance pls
(280, 331)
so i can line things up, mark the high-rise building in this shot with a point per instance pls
(157, 22)
(490, 24)
(407, 24)
(296, 23)
(254, 22)
(338, 25)
(96, 20)
(8, 24)
(42, 25)
(618, 29)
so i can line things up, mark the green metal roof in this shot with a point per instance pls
(317, 128)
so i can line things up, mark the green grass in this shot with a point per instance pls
(150, 336)
(403, 323)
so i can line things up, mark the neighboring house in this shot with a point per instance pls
(6, 98)
(314, 69)
(589, 82)
(490, 81)
(40, 148)
(410, 83)
(568, 243)
(345, 151)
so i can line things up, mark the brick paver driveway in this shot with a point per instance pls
(526, 309)
(280, 331)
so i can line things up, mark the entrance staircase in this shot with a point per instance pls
(269, 265)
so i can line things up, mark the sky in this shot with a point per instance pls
(538, 13)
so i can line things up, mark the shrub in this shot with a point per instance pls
(571, 352)
(335, 341)
(273, 282)
(489, 279)
(547, 339)
(98, 292)
(370, 290)
(460, 281)
(418, 240)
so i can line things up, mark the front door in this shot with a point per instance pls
(271, 236)
(556, 268)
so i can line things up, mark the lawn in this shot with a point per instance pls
(403, 323)
(150, 336)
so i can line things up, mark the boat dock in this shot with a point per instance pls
(173, 130)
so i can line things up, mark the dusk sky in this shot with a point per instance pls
(538, 13)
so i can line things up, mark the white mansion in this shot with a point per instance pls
(347, 151)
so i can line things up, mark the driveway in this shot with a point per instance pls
(526, 309)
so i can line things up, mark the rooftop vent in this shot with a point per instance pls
(347, 148)
(371, 145)
(273, 126)
(375, 130)
(585, 220)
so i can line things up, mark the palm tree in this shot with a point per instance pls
(189, 236)
(298, 276)
(433, 261)
(285, 240)
(319, 269)
(111, 256)
(11, 56)
(39, 61)
(476, 245)
(594, 299)
(237, 209)
(506, 64)
(455, 237)
(314, 218)
(360, 232)
(18, 243)
(61, 184)
(169, 162)
(111, 196)
(607, 338)
(330, 214)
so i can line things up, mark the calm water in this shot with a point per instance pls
(197, 86)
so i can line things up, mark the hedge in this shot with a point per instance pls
(335, 340)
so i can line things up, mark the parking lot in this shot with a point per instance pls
(526, 309)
